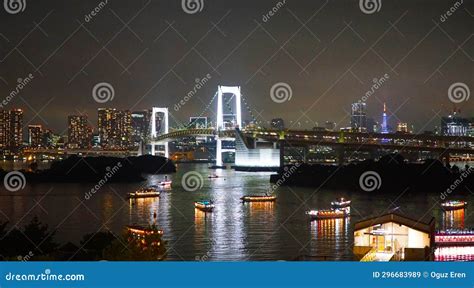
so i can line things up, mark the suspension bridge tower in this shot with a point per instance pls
(159, 125)
(228, 120)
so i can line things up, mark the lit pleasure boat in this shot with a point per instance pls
(147, 192)
(205, 205)
(340, 203)
(140, 231)
(327, 214)
(453, 205)
(259, 198)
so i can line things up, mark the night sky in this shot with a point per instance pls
(152, 52)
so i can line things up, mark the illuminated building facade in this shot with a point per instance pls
(115, 128)
(454, 125)
(79, 132)
(11, 129)
(35, 136)
(140, 126)
(393, 237)
(359, 116)
(385, 120)
(402, 127)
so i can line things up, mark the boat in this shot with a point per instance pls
(148, 192)
(212, 176)
(165, 183)
(205, 205)
(140, 231)
(327, 214)
(453, 205)
(259, 198)
(340, 203)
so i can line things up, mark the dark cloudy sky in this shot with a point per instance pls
(151, 52)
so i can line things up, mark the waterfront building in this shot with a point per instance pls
(79, 132)
(140, 121)
(393, 237)
(115, 128)
(359, 116)
(454, 125)
(35, 136)
(11, 129)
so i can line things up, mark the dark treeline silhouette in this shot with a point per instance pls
(396, 175)
(35, 242)
(94, 169)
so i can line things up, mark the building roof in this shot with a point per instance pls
(420, 225)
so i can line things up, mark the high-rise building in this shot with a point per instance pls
(454, 125)
(402, 127)
(384, 120)
(35, 136)
(359, 117)
(4, 128)
(278, 124)
(115, 128)
(79, 132)
(16, 128)
(140, 126)
(49, 139)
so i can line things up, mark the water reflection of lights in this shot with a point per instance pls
(200, 216)
(454, 253)
(259, 207)
(453, 219)
(330, 228)
(147, 207)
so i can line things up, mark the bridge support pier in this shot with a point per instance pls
(282, 153)
(219, 162)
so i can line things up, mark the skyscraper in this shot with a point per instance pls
(140, 126)
(359, 117)
(454, 125)
(79, 132)
(11, 129)
(115, 128)
(35, 136)
(384, 120)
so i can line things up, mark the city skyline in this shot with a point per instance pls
(69, 60)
